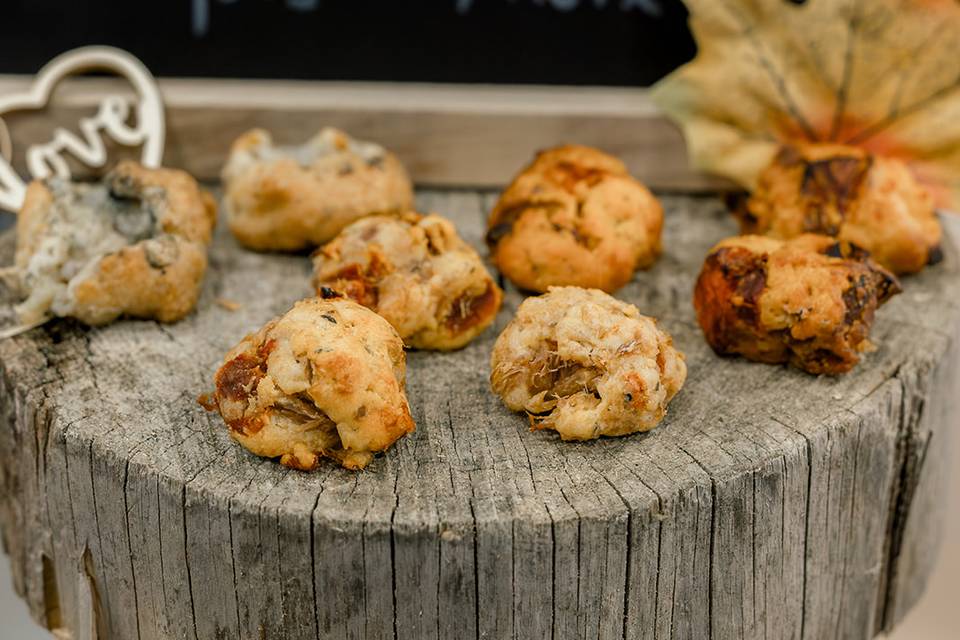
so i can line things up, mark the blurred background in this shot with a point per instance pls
(614, 43)
(570, 42)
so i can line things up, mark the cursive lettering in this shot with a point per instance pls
(44, 160)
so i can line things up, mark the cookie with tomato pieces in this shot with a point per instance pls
(809, 301)
(868, 200)
(415, 271)
(324, 380)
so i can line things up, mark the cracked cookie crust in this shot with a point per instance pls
(586, 365)
(809, 301)
(416, 272)
(133, 244)
(288, 198)
(326, 379)
(867, 200)
(575, 216)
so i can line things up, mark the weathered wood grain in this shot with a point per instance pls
(769, 503)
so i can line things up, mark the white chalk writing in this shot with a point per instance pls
(200, 10)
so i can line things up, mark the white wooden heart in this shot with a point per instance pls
(45, 160)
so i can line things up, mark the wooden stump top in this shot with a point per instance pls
(767, 502)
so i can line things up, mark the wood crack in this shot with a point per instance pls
(186, 546)
(901, 497)
(126, 520)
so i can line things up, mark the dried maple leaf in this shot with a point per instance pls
(881, 74)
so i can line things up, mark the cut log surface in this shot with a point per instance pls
(768, 504)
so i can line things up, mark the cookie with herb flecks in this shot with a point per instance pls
(289, 198)
(585, 365)
(574, 217)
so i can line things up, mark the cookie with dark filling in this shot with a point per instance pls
(868, 200)
(576, 217)
(584, 364)
(325, 380)
(809, 301)
(288, 198)
(133, 244)
(416, 272)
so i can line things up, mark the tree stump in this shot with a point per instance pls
(768, 504)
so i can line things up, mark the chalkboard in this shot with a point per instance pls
(565, 42)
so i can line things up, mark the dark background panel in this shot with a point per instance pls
(567, 42)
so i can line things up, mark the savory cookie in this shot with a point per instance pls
(133, 244)
(290, 198)
(809, 301)
(574, 217)
(416, 272)
(867, 200)
(326, 379)
(585, 364)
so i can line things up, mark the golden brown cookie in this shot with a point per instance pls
(326, 379)
(133, 244)
(416, 272)
(574, 217)
(867, 200)
(586, 365)
(289, 198)
(809, 301)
